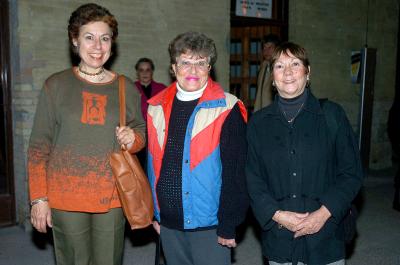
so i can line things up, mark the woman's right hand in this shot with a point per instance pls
(41, 216)
(125, 136)
(156, 226)
(288, 219)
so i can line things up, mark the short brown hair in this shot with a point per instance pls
(193, 42)
(144, 60)
(295, 49)
(272, 38)
(86, 14)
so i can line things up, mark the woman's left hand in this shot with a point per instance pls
(313, 222)
(125, 136)
(230, 243)
(156, 226)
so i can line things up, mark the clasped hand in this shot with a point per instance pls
(125, 137)
(303, 223)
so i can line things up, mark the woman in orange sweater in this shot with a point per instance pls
(72, 188)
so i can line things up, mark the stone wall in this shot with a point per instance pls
(40, 47)
(330, 30)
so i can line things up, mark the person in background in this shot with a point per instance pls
(72, 188)
(301, 174)
(264, 95)
(145, 83)
(196, 156)
(393, 131)
(147, 88)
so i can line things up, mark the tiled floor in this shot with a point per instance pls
(377, 243)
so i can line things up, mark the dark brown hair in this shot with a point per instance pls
(144, 60)
(195, 43)
(86, 14)
(271, 38)
(295, 49)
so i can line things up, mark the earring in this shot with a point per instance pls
(308, 78)
(273, 83)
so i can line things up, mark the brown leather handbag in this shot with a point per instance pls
(131, 181)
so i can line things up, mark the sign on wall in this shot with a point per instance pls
(254, 8)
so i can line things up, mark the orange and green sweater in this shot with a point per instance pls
(72, 138)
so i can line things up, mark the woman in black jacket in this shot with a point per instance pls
(302, 174)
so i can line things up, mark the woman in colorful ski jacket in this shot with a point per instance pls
(196, 155)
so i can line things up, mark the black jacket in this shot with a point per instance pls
(299, 167)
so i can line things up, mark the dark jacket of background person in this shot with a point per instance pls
(393, 131)
(299, 168)
(155, 89)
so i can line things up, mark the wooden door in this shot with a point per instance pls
(245, 48)
(7, 199)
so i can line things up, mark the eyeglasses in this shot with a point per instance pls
(199, 65)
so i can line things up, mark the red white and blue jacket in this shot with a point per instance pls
(201, 164)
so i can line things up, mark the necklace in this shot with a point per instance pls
(90, 74)
(295, 115)
(100, 74)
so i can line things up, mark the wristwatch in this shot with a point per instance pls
(36, 201)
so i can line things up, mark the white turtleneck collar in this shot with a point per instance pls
(183, 95)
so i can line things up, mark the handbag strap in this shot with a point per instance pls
(122, 107)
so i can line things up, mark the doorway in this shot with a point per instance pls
(245, 50)
(7, 196)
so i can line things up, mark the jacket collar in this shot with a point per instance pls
(311, 105)
(213, 95)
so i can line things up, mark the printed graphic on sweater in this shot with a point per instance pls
(94, 108)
